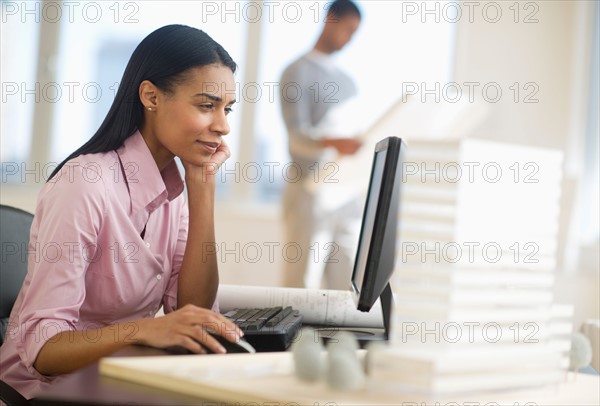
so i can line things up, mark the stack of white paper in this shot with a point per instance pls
(474, 274)
(476, 202)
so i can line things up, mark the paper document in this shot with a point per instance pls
(318, 306)
(408, 118)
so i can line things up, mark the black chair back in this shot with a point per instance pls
(14, 240)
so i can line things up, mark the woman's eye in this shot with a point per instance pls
(228, 110)
(207, 106)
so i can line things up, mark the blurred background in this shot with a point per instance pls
(531, 67)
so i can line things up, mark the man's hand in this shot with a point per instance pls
(344, 146)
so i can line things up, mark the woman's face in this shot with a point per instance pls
(191, 121)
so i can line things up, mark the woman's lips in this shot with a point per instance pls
(209, 146)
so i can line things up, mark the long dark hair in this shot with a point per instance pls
(163, 58)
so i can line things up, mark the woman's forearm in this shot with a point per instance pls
(185, 327)
(70, 350)
(199, 270)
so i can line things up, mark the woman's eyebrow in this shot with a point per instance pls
(213, 97)
(209, 96)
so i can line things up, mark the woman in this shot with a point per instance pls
(109, 242)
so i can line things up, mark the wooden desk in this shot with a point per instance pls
(87, 386)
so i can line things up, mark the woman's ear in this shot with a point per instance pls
(148, 95)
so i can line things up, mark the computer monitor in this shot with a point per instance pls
(376, 253)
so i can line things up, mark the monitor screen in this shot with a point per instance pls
(374, 264)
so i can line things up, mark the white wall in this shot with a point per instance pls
(507, 52)
(553, 54)
(257, 258)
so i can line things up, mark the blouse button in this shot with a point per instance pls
(148, 244)
(159, 277)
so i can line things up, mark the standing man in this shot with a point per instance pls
(312, 88)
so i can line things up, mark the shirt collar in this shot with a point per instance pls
(148, 187)
(326, 61)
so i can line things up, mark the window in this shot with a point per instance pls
(19, 43)
(93, 55)
(96, 40)
(591, 198)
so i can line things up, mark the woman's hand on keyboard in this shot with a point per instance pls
(188, 327)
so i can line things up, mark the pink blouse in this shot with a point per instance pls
(106, 246)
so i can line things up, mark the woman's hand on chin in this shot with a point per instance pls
(210, 167)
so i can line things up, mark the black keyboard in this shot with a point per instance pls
(267, 329)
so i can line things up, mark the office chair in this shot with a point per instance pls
(14, 240)
(10, 396)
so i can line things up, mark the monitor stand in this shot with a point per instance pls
(365, 335)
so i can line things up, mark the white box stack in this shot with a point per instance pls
(474, 275)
